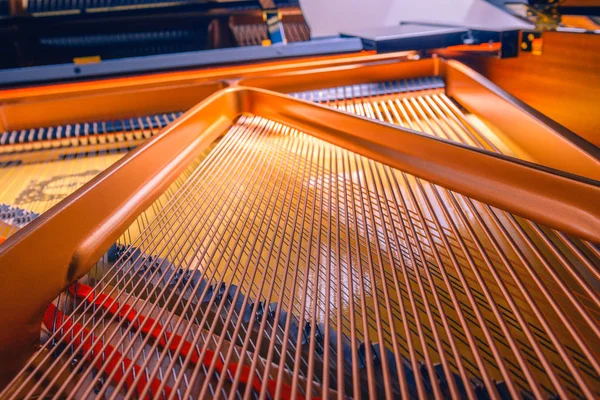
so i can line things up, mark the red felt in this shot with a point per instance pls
(109, 356)
(144, 324)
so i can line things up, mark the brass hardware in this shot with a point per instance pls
(87, 60)
(531, 41)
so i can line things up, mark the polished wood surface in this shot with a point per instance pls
(530, 134)
(72, 102)
(562, 83)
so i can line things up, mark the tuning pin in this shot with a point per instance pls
(362, 352)
(220, 293)
(260, 311)
(74, 367)
(272, 311)
(98, 385)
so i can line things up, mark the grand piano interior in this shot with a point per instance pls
(282, 199)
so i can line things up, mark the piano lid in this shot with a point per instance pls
(353, 15)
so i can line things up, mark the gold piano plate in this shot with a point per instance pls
(397, 256)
